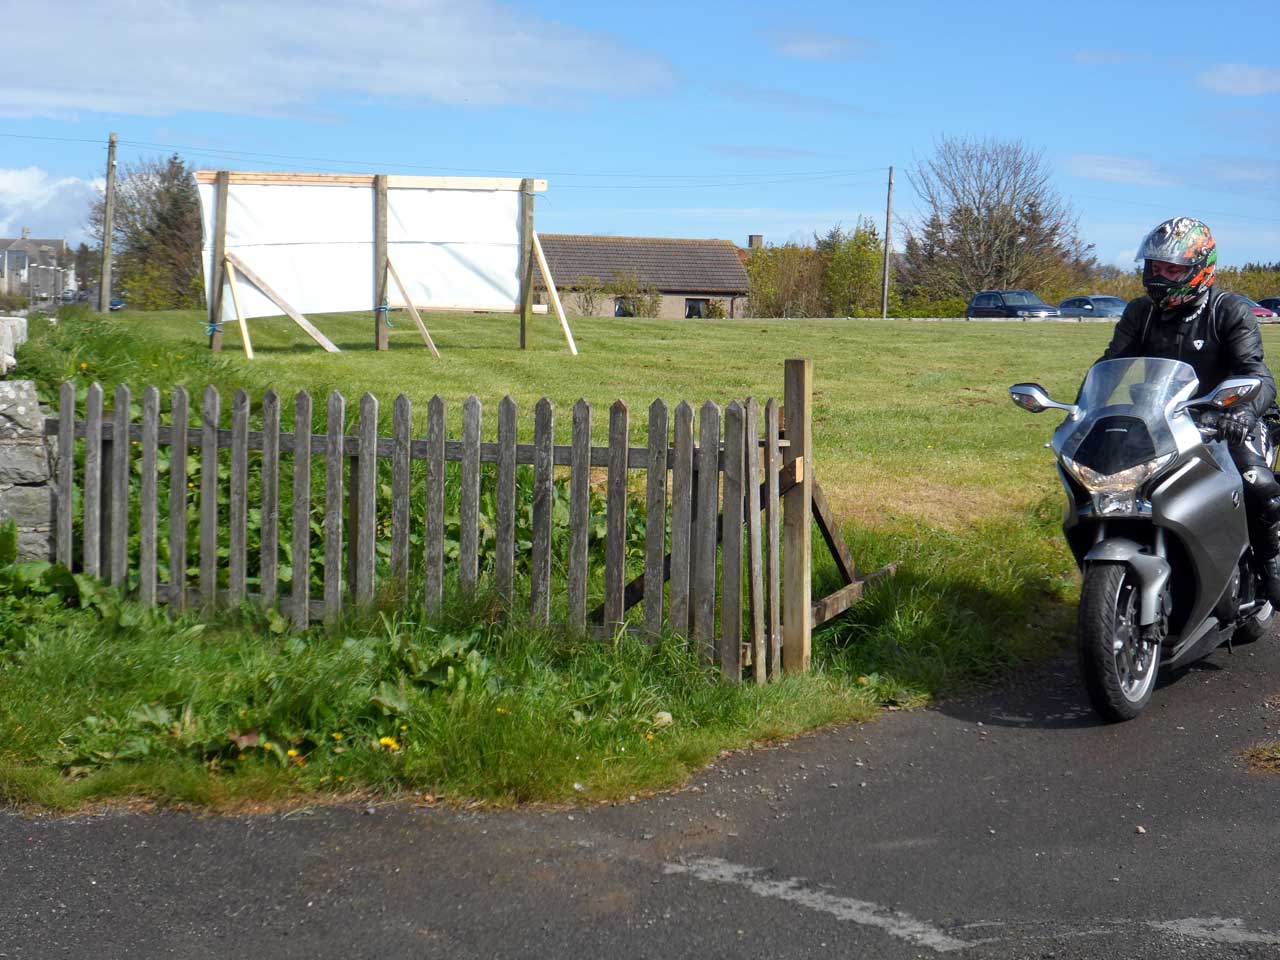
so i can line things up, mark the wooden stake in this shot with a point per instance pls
(235, 300)
(797, 522)
(307, 326)
(413, 311)
(220, 190)
(526, 256)
(381, 335)
(555, 296)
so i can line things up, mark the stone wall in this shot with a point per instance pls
(27, 461)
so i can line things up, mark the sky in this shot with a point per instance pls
(691, 119)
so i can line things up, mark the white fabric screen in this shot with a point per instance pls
(313, 244)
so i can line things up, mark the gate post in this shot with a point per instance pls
(797, 519)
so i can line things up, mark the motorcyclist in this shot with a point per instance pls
(1182, 317)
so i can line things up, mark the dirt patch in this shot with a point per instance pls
(1264, 758)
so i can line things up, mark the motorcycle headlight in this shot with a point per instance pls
(1123, 482)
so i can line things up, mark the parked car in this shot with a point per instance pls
(1009, 303)
(116, 304)
(1096, 305)
(1271, 303)
(1261, 310)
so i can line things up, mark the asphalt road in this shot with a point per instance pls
(1006, 826)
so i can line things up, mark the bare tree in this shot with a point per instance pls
(992, 220)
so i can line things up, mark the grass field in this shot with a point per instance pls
(922, 455)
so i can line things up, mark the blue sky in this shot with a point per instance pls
(667, 119)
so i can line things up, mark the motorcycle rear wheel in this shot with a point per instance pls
(1118, 667)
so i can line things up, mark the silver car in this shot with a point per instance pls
(1099, 306)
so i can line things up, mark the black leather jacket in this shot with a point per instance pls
(1221, 341)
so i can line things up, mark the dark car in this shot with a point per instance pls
(117, 303)
(1096, 305)
(1271, 303)
(1016, 304)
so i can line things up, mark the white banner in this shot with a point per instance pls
(313, 244)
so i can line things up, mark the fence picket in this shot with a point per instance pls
(655, 530)
(703, 563)
(469, 503)
(615, 550)
(681, 519)
(579, 513)
(269, 559)
(505, 533)
(731, 544)
(237, 560)
(211, 413)
(120, 468)
(66, 472)
(148, 507)
(367, 532)
(402, 437)
(300, 529)
(773, 537)
(435, 507)
(334, 464)
(93, 481)
(544, 432)
(180, 414)
(755, 554)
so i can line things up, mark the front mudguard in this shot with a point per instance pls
(1152, 572)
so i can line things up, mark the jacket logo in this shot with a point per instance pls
(1198, 344)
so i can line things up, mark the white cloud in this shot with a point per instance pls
(818, 45)
(51, 207)
(299, 57)
(1241, 80)
(1118, 169)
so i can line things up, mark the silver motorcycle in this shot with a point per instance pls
(1156, 521)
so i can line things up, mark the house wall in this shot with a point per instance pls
(671, 307)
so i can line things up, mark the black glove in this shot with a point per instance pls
(1236, 425)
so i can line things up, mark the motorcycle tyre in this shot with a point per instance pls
(1256, 627)
(1099, 615)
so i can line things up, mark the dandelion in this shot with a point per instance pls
(337, 735)
(648, 736)
(341, 778)
(503, 710)
(84, 366)
(291, 752)
(267, 744)
(403, 727)
(389, 742)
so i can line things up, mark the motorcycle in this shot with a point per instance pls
(1155, 519)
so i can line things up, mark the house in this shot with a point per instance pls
(33, 267)
(691, 278)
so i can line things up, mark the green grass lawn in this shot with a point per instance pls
(921, 454)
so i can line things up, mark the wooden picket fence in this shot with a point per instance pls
(726, 499)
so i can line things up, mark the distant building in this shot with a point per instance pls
(32, 267)
(693, 278)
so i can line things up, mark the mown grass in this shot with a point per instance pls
(917, 447)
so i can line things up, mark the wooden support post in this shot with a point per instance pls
(381, 335)
(235, 300)
(413, 311)
(221, 186)
(526, 256)
(307, 326)
(797, 521)
(555, 295)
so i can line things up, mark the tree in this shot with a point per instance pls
(852, 278)
(86, 265)
(156, 234)
(992, 221)
(785, 281)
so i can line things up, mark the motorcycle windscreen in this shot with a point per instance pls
(1125, 407)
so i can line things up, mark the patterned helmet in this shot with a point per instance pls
(1187, 243)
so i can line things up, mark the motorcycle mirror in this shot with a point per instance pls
(1235, 391)
(1230, 392)
(1032, 398)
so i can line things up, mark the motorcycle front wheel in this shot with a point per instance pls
(1119, 667)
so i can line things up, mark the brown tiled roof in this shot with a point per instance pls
(676, 266)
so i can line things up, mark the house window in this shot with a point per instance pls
(695, 308)
(624, 307)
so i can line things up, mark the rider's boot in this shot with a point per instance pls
(1262, 503)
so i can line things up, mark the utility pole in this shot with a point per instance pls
(888, 219)
(108, 214)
